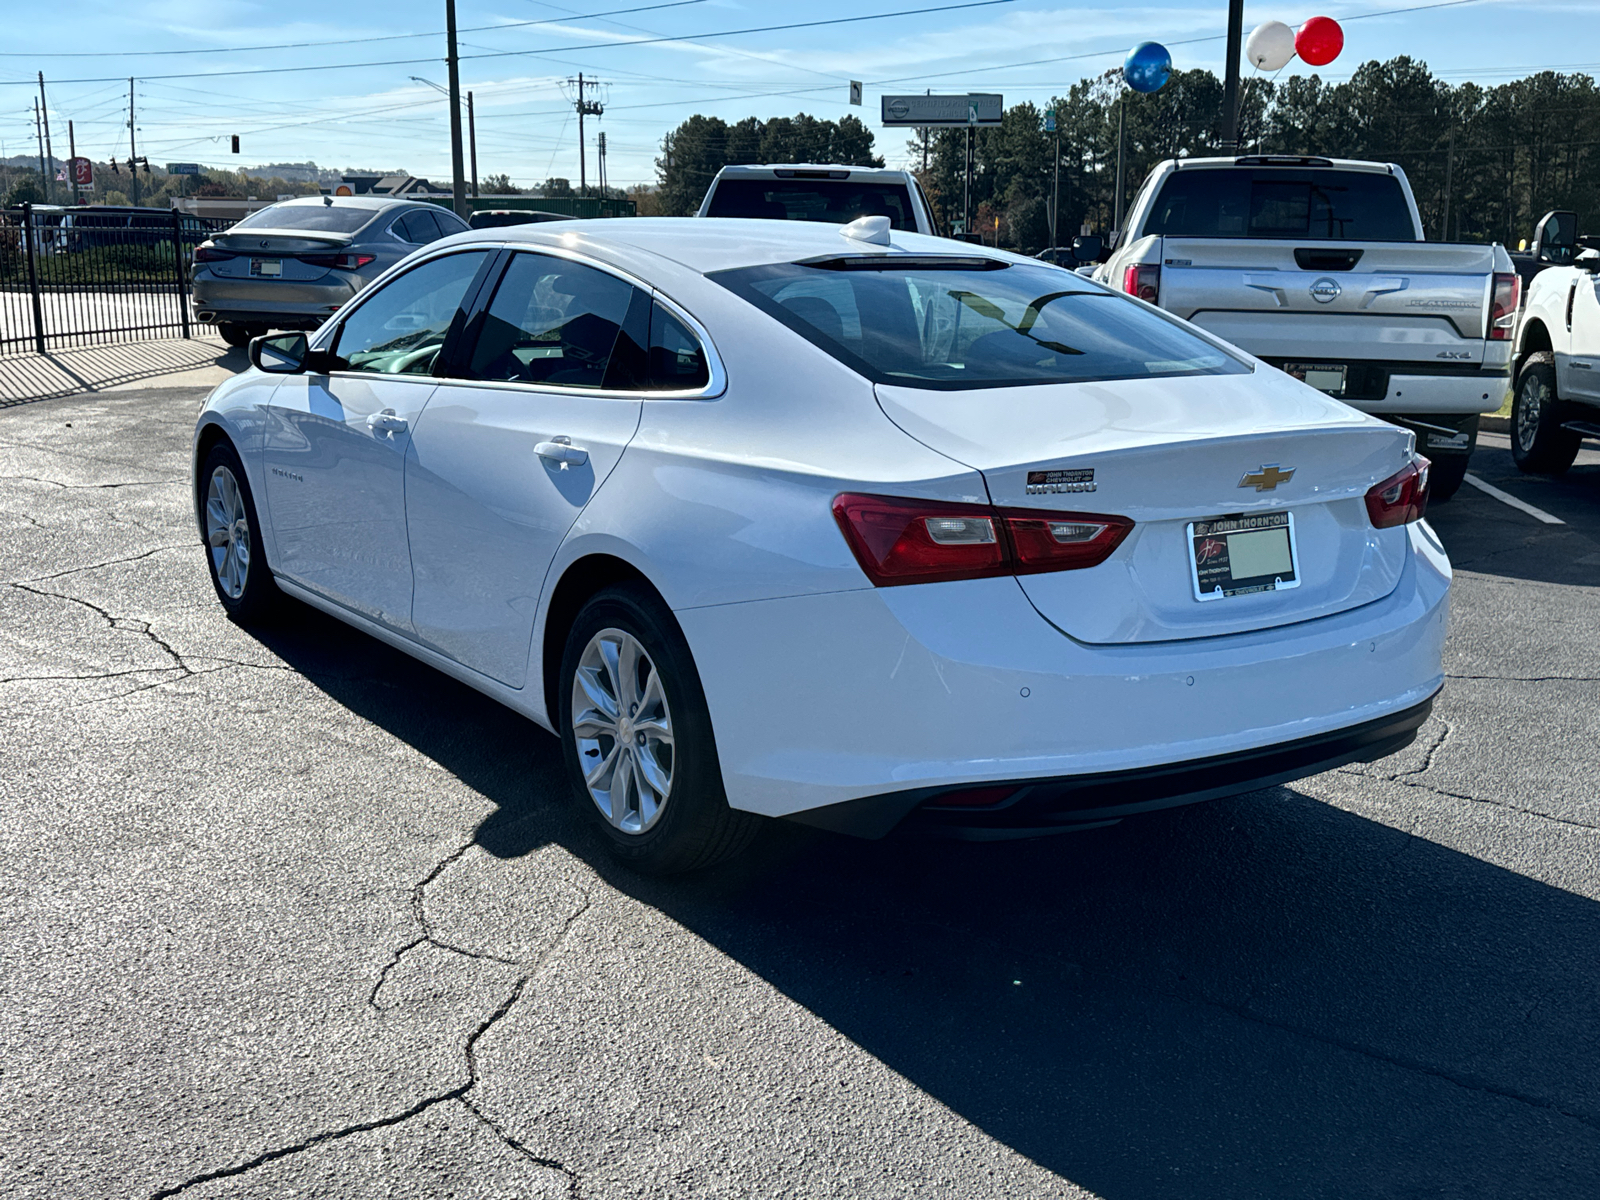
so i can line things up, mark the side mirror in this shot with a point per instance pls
(1555, 239)
(281, 355)
(1087, 248)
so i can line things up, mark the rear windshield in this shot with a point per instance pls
(954, 329)
(1274, 202)
(834, 201)
(327, 218)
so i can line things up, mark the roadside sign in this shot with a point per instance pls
(183, 168)
(1050, 121)
(343, 190)
(82, 172)
(979, 108)
(855, 91)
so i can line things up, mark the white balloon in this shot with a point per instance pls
(1271, 46)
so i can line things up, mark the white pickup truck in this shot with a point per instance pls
(1318, 266)
(1557, 401)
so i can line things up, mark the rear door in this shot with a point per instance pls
(335, 444)
(505, 459)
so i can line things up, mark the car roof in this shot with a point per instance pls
(707, 244)
(375, 203)
(771, 170)
(1287, 162)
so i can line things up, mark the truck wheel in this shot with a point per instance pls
(1538, 443)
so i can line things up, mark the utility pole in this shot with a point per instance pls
(458, 183)
(1055, 186)
(1230, 90)
(1449, 178)
(472, 141)
(50, 154)
(72, 164)
(602, 153)
(133, 150)
(38, 129)
(1116, 220)
(591, 108)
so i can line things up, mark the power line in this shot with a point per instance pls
(391, 37)
(687, 37)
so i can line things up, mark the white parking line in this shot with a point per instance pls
(1507, 498)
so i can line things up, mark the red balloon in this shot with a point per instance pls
(1319, 41)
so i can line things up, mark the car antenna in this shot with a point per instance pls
(328, 201)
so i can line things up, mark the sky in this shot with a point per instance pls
(353, 104)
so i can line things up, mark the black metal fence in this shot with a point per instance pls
(74, 277)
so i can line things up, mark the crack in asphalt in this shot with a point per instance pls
(470, 1054)
(112, 562)
(1531, 678)
(89, 486)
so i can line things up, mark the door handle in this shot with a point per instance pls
(561, 450)
(386, 421)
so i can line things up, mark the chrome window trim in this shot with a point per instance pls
(711, 391)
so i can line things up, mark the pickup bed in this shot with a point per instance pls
(1318, 267)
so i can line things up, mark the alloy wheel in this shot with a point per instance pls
(1535, 396)
(228, 532)
(623, 728)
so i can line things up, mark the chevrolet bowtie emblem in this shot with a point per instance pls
(1269, 477)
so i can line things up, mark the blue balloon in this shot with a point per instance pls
(1147, 67)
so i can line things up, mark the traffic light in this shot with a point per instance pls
(236, 143)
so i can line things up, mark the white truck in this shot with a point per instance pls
(1318, 266)
(1557, 400)
(819, 192)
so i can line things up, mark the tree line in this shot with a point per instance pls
(1485, 162)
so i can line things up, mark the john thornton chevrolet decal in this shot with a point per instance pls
(1054, 483)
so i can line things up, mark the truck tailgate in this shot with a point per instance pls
(1399, 301)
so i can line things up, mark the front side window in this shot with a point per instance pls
(958, 323)
(557, 322)
(1277, 202)
(834, 201)
(401, 328)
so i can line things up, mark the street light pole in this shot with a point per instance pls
(1122, 108)
(472, 141)
(458, 184)
(1230, 91)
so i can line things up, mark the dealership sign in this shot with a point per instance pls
(979, 108)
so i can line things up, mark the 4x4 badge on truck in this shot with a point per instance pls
(1325, 290)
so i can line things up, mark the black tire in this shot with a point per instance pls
(1538, 443)
(692, 826)
(245, 585)
(235, 334)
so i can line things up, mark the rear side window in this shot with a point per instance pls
(1267, 202)
(555, 322)
(677, 360)
(330, 218)
(961, 328)
(418, 227)
(832, 201)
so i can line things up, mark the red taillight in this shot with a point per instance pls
(1401, 498)
(340, 262)
(210, 254)
(1503, 306)
(1062, 541)
(925, 541)
(1142, 280)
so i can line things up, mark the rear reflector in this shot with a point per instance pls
(1503, 306)
(1143, 280)
(1401, 498)
(926, 541)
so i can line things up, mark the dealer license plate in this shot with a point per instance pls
(1243, 553)
(1325, 377)
(266, 266)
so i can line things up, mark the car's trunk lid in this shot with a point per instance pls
(1166, 453)
(287, 254)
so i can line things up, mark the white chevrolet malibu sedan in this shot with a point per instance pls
(856, 527)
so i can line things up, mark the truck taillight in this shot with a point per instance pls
(1503, 306)
(1401, 498)
(1142, 280)
(900, 541)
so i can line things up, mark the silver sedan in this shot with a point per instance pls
(293, 265)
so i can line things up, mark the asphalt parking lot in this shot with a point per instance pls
(286, 913)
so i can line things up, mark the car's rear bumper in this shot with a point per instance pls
(280, 305)
(822, 700)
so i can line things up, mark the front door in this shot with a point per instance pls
(335, 444)
(502, 463)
